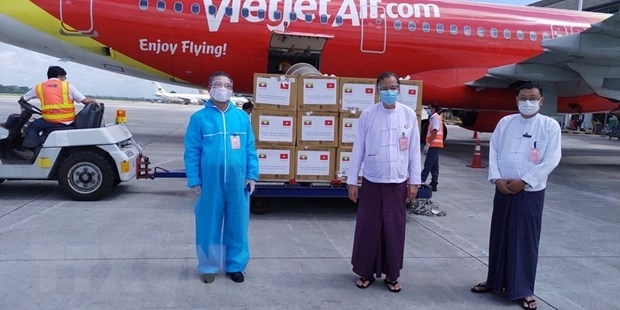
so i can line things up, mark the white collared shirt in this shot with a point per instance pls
(377, 145)
(511, 146)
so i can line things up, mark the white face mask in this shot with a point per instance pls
(529, 107)
(220, 94)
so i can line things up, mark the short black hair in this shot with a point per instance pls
(386, 75)
(55, 71)
(435, 106)
(531, 85)
(219, 73)
(248, 105)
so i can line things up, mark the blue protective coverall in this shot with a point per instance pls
(220, 156)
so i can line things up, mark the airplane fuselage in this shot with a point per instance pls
(444, 43)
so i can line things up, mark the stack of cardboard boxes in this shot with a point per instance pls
(305, 126)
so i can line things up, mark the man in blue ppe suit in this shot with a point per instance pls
(222, 166)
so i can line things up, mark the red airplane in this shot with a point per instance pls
(471, 56)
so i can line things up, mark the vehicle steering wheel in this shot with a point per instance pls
(29, 107)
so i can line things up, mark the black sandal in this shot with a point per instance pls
(481, 288)
(364, 284)
(527, 304)
(391, 285)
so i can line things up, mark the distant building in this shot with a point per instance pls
(603, 6)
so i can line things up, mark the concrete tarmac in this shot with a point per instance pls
(135, 248)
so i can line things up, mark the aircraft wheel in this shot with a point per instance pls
(85, 176)
(259, 206)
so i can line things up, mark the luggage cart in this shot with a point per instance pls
(265, 191)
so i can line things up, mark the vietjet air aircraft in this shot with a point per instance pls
(471, 56)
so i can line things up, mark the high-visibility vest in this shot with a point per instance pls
(438, 141)
(56, 105)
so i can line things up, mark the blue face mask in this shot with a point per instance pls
(388, 97)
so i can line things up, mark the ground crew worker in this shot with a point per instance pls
(434, 143)
(56, 96)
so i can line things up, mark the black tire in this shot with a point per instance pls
(85, 176)
(259, 206)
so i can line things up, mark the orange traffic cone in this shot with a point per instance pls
(476, 162)
(475, 135)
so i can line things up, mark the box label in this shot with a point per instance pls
(348, 130)
(274, 161)
(320, 91)
(313, 163)
(275, 128)
(357, 96)
(317, 128)
(409, 95)
(273, 90)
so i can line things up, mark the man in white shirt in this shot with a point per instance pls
(524, 150)
(387, 142)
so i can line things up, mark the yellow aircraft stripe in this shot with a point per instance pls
(31, 15)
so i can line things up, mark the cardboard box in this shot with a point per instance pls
(411, 94)
(274, 127)
(343, 159)
(348, 128)
(357, 93)
(318, 94)
(275, 92)
(275, 163)
(314, 164)
(317, 129)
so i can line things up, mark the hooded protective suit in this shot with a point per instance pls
(220, 156)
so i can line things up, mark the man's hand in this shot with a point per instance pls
(250, 185)
(502, 186)
(353, 193)
(425, 150)
(412, 192)
(515, 186)
(196, 189)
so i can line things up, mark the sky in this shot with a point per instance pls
(25, 68)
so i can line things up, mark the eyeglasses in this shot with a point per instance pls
(390, 87)
(221, 84)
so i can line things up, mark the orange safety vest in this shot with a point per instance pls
(56, 105)
(438, 141)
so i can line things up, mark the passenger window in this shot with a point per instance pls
(480, 32)
(520, 35)
(398, 25)
(439, 28)
(161, 5)
(178, 7)
(411, 26)
(277, 15)
(467, 31)
(308, 18)
(292, 16)
(454, 29)
(426, 27)
(338, 20)
(143, 4)
(323, 19)
(507, 34)
(533, 36)
(494, 33)
(195, 8)
(545, 36)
